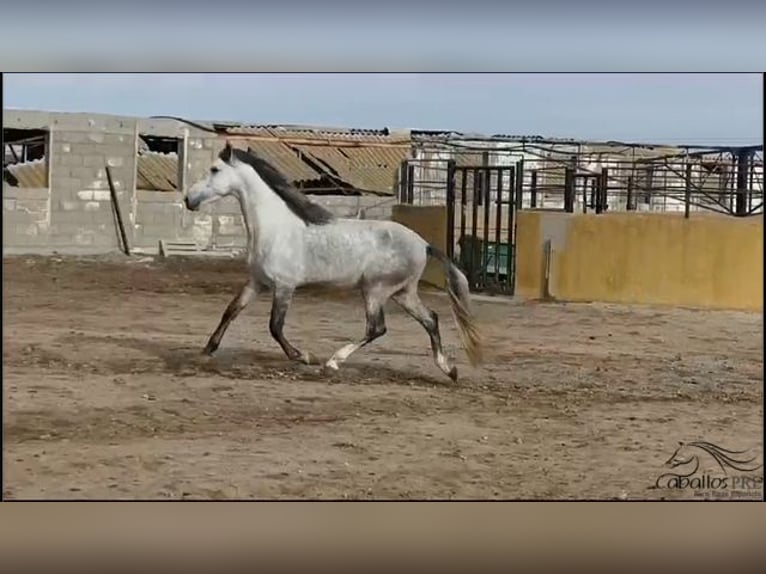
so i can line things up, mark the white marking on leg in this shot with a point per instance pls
(331, 364)
(442, 362)
(341, 355)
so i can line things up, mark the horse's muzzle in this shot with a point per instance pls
(190, 205)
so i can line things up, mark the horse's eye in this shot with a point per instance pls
(213, 170)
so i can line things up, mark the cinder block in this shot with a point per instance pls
(118, 149)
(165, 219)
(69, 160)
(69, 220)
(32, 205)
(64, 182)
(151, 197)
(97, 184)
(9, 204)
(71, 137)
(69, 205)
(95, 137)
(25, 193)
(143, 214)
(96, 161)
(121, 126)
(86, 149)
(9, 235)
(83, 173)
(122, 174)
(105, 217)
(92, 206)
(26, 230)
(83, 238)
(10, 192)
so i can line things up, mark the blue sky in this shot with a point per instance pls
(677, 108)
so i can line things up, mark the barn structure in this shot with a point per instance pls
(93, 183)
(56, 169)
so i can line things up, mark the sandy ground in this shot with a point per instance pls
(106, 394)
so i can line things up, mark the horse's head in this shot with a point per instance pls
(688, 452)
(222, 180)
(681, 456)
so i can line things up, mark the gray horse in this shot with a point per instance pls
(293, 242)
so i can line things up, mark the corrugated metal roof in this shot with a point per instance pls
(330, 135)
(31, 174)
(367, 168)
(157, 171)
(284, 159)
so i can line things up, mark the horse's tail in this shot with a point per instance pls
(460, 304)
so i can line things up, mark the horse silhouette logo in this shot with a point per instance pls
(685, 462)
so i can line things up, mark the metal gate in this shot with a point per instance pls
(481, 224)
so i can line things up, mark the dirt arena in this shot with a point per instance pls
(107, 396)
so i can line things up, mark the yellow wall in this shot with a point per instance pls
(431, 223)
(705, 261)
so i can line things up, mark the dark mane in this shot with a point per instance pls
(310, 212)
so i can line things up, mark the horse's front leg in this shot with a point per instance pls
(235, 307)
(281, 301)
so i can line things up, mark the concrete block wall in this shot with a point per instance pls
(26, 217)
(82, 216)
(75, 215)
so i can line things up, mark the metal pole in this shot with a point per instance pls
(450, 208)
(569, 190)
(116, 204)
(688, 191)
(743, 159)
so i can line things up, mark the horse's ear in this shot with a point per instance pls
(226, 152)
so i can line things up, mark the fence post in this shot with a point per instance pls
(601, 191)
(410, 183)
(451, 208)
(743, 162)
(629, 200)
(688, 191)
(569, 190)
(403, 181)
(520, 184)
(533, 189)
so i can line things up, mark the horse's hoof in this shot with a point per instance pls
(453, 374)
(331, 366)
(209, 350)
(306, 358)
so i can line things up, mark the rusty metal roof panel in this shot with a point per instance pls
(157, 171)
(376, 166)
(319, 133)
(31, 174)
(368, 169)
(285, 160)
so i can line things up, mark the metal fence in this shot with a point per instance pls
(728, 181)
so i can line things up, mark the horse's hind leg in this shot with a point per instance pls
(240, 301)
(410, 301)
(374, 300)
(279, 306)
